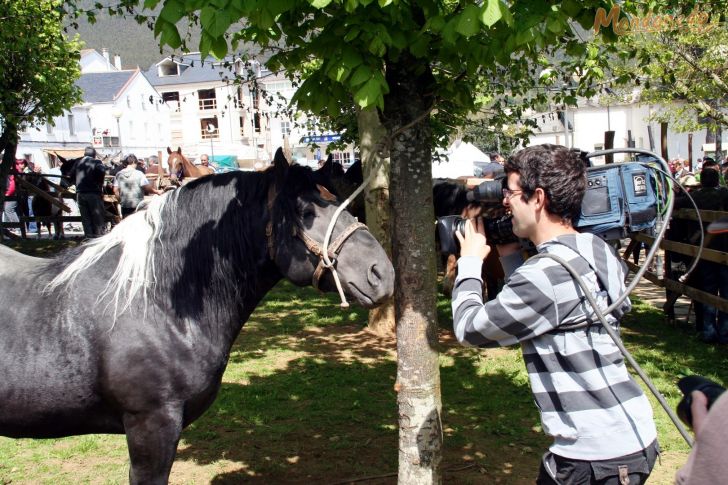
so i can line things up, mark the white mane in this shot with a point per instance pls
(135, 270)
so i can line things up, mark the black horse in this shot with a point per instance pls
(139, 323)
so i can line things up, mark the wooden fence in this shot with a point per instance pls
(669, 280)
(24, 189)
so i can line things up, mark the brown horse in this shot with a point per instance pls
(181, 168)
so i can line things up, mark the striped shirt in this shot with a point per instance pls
(588, 401)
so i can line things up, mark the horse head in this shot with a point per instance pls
(302, 212)
(175, 162)
(68, 170)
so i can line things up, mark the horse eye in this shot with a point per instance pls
(309, 214)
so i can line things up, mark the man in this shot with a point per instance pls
(599, 417)
(130, 185)
(205, 163)
(90, 174)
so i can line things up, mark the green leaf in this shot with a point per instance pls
(555, 25)
(377, 47)
(506, 12)
(320, 3)
(384, 3)
(368, 94)
(420, 47)
(362, 74)
(341, 73)
(468, 24)
(491, 13)
(170, 36)
(205, 45)
(570, 7)
(352, 34)
(215, 21)
(172, 11)
(265, 19)
(219, 47)
(350, 57)
(150, 4)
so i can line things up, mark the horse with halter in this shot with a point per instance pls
(135, 328)
(180, 167)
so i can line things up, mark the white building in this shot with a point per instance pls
(120, 112)
(232, 110)
(630, 123)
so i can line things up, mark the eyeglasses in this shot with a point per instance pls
(508, 193)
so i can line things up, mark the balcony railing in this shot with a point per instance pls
(206, 104)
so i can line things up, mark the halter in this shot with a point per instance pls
(327, 259)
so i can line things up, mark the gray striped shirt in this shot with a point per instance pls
(587, 399)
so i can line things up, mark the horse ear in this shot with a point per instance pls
(325, 194)
(169, 151)
(179, 150)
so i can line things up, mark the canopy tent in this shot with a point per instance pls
(230, 155)
(458, 161)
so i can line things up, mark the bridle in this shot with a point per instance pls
(326, 253)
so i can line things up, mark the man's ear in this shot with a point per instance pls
(541, 199)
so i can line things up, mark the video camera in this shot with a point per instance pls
(620, 198)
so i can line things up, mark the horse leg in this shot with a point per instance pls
(152, 439)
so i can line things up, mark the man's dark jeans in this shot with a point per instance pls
(91, 207)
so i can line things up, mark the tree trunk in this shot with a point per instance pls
(413, 247)
(376, 195)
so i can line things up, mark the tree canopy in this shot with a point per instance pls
(38, 64)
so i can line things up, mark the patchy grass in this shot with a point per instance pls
(308, 397)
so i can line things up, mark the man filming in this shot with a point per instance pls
(600, 419)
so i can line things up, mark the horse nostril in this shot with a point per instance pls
(374, 276)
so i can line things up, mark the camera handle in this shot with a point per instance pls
(618, 342)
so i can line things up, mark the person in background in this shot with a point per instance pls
(10, 208)
(599, 417)
(130, 185)
(90, 173)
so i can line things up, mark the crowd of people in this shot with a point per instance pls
(127, 179)
(708, 191)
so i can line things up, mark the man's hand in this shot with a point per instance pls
(473, 243)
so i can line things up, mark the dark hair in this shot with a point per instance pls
(709, 177)
(131, 158)
(709, 162)
(89, 152)
(560, 172)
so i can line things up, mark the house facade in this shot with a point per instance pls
(121, 113)
(588, 122)
(233, 109)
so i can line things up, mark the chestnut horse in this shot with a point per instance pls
(181, 168)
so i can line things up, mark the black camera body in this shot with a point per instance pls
(687, 385)
(620, 198)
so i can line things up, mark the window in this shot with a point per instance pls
(144, 104)
(128, 101)
(169, 68)
(242, 126)
(71, 125)
(209, 128)
(256, 99)
(170, 96)
(286, 128)
(256, 122)
(207, 99)
(110, 141)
